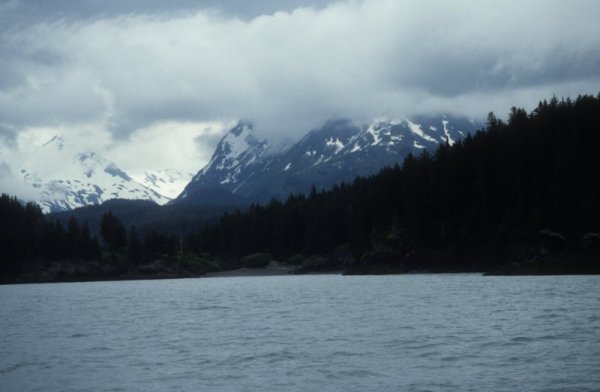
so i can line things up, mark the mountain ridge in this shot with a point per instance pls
(243, 169)
(66, 179)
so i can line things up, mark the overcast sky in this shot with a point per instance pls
(154, 84)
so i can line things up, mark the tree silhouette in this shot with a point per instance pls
(113, 232)
(135, 247)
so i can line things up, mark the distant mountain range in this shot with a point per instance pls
(243, 169)
(67, 179)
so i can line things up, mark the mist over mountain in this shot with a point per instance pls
(243, 169)
(63, 178)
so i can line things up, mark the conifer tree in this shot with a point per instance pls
(135, 247)
(74, 236)
(113, 232)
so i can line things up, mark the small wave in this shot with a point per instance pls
(491, 344)
(551, 337)
(522, 339)
(338, 354)
(210, 307)
(421, 346)
(593, 318)
(519, 340)
(359, 373)
(16, 367)
(78, 335)
(237, 360)
(451, 358)
(548, 316)
(427, 354)
(101, 348)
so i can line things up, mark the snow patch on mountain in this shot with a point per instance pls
(235, 155)
(336, 144)
(65, 179)
(417, 130)
(447, 133)
(356, 147)
(373, 130)
(416, 144)
(239, 147)
(338, 151)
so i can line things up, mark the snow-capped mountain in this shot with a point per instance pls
(85, 178)
(241, 171)
(231, 165)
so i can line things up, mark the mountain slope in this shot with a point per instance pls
(236, 157)
(520, 197)
(67, 179)
(242, 170)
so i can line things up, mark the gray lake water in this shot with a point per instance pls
(304, 333)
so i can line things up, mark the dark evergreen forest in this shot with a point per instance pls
(26, 238)
(34, 248)
(511, 191)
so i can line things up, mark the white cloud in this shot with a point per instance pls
(167, 145)
(9, 180)
(166, 142)
(349, 59)
(11, 185)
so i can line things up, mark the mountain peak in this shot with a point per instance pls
(241, 127)
(337, 151)
(64, 178)
(237, 141)
(235, 153)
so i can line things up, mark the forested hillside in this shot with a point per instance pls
(472, 206)
(521, 196)
(35, 248)
(26, 238)
(146, 216)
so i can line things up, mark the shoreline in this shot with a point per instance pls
(242, 272)
(266, 272)
(563, 264)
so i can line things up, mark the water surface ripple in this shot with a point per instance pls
(304, 333)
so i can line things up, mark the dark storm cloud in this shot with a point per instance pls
(445, 75)
(27, 12)
(286, 65)
(7, 136)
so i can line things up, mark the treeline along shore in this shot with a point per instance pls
(518, 197)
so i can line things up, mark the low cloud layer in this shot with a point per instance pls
(126, 71)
